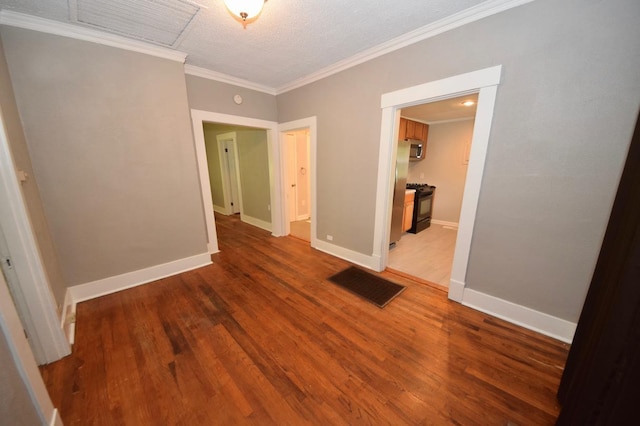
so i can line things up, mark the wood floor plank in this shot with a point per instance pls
(261, 337)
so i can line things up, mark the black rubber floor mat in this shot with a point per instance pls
(375, 289)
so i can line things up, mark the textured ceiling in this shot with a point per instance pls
(290, 40)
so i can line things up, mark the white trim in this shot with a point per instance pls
(521, 315)
(221, 210)
(91, 290)
(198, 118)
(485, 83)
(205, 183)
(68, 320)
(456, 290)
(228, 79)
(310, 123)
(370, 262)
(55, 418)
(22, 355)
(451, 120)
(256, 222)
(444, 223)
(225, 172)
(77, 32)
(451, 22)
(443, 89)
(47, 338)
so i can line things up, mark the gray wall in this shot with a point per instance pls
(563, 120)
(253, 159)
(16, 406)
(213, 96)
(110, 139)
(443, 166)
(30, 191)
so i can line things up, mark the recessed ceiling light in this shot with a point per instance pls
(468, 103)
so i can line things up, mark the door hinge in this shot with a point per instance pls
(232, 203)
(7, 260)
(226, 150)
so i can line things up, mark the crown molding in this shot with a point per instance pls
(483, 10)
(226, 78)
(49, 26)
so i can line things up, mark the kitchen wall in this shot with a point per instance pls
(30, 191)
(563, 119)
(444, 166)
(110, 139)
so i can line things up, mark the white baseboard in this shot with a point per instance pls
(68, 320)
(55, 418)
(445, 223)
(91, 290)
(456, 290)
(219, 209)
(256, 222)
(521, 315)
(370, 262)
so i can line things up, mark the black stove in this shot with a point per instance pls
(422, 206)
(422, 187)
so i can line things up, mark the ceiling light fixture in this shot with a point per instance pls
(468, 103)
(245, 10)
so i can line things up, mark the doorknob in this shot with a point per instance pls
(293, 185)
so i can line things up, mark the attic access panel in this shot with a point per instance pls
(160, 22)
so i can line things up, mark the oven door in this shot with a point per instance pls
(421, 212)
(424, 208)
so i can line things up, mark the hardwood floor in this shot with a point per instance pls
(261, 337)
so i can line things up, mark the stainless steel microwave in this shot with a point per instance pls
(416, 152)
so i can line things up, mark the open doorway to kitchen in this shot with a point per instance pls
(484, 82)
(425, 252)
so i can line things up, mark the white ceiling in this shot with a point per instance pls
(445, 110)
(291, 40)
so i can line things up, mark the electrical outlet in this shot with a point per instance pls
(329, 237)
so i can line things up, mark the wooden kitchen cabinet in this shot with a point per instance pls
(407, 217)
(410, 129)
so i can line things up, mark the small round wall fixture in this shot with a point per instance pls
(237, 99)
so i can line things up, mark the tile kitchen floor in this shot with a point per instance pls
(427, 255)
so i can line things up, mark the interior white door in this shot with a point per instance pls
(291, 183)
(303, 183)
(232, 178)
(13, 284)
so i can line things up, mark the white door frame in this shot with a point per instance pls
(485, 83)
(198, 118)
(228, 173)
(11, 327)
(49, 342)
(301, 124)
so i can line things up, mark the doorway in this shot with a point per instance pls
(298, 183)
(198, 118)
(228, 167)
(426, 254)
(485, 83)
(301, 133)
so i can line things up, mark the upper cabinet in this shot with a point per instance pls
(410, 129)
